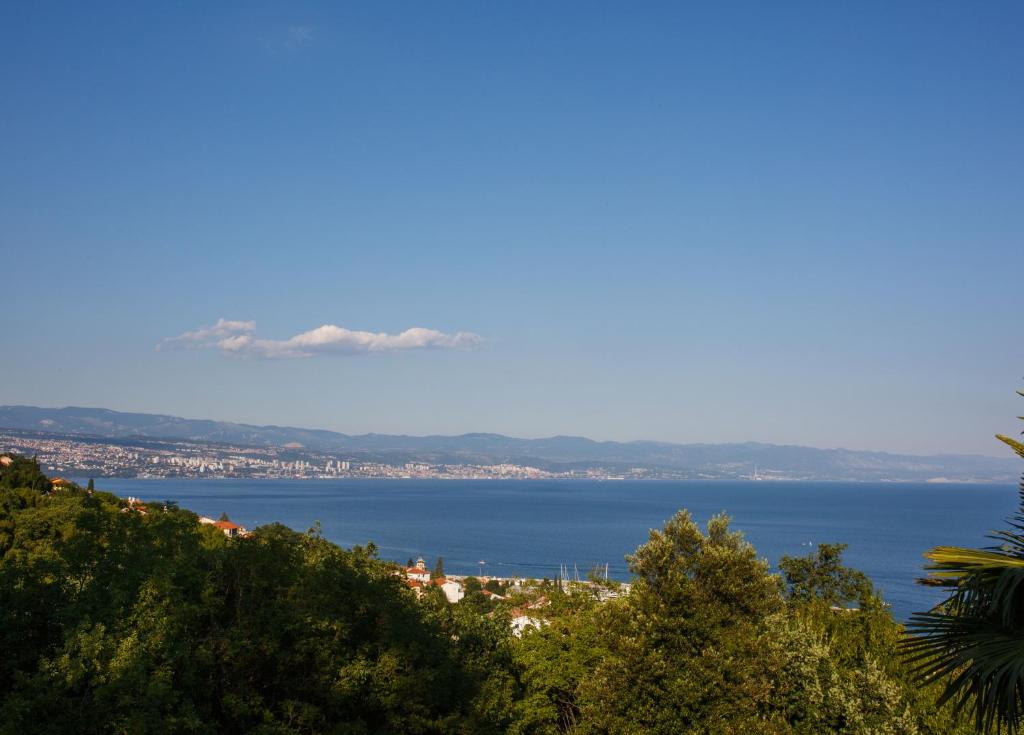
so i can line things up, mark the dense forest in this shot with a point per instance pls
(118, 621)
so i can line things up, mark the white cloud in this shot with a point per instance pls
(204, 336)
(236, 338)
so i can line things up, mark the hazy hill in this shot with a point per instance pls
(557, 451)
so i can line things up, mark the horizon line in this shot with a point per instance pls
(491, 433)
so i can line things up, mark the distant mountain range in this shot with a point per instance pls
(557, 452)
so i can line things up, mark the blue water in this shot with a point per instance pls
(529, 528)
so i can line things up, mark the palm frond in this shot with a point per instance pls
(960, 561)
(983, 661)
(1015, 445)
(974, 640)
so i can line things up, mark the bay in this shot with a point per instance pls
(529, 528)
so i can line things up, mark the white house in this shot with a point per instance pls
(419, 575)
(521, 621)
(229, 529)
(452, 589)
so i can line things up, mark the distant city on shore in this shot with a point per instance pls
(81, 442)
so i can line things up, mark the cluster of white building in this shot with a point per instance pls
(418, 579)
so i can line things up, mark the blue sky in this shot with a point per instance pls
(787, 222)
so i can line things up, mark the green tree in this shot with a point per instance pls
(471, 585)
(554, 660)
(438, 569)
(474, 597)
(123, 622)
(974, 640)
(495, 586)
(707, 642)
(822, 576)
(23, 473)
(686, 648)
(830, 681)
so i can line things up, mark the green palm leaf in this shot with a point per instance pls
(974, 640)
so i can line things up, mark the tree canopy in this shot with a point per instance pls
(112, 620)
(821, 576)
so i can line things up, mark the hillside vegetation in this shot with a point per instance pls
(118, 621)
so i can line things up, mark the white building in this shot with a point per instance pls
(452, 589)
(521, 622)
(419, 572)
(418, 575)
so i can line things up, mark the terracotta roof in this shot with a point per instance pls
(136, 508)
(226, 525)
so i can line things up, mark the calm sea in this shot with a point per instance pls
(529, 528)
